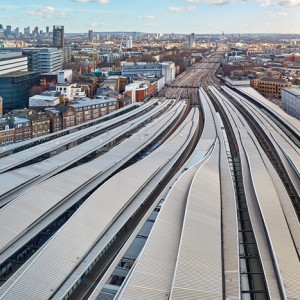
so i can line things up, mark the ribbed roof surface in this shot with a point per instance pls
(40, 278)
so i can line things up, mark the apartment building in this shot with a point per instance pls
(80, 111)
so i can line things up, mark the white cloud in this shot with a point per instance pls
(47, 12)
(265, 2)
(175, 9)
(192, 7)
(276, 14)
(146, 17)
(212, 2)
(43, 11)
(289, 3)
(96, 1)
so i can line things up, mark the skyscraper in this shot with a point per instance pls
(191, 41)
(8, 30)
(58, 36)
(91, 35)
(47, 29)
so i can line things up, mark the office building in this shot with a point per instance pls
(8, 30)
(15, 88)
(50, 59)
(91, 35)
(47, 30)
(142, 69)
(58, 36)
(12, 62)
(290, 101)
(191, 40)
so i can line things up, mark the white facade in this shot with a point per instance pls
(160, 83)
(111, 58)
(168, 71)
(13, 62)
(70, 91)
(129, 43)
(290, 99)
(64, 76)
(43, 101)
(51, 59)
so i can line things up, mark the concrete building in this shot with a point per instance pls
(168, 71)
(269, 87)
(290, 101)
(143, 70)
(117, 83)
(12, 62)
(58, 36)
(70, 90)
(50, 59)
(42, 101)
(140, 91)
(91, 35)
(64, 76)
(191, 40)
(42, 60)
(129, 42)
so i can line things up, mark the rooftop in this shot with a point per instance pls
(293, 90)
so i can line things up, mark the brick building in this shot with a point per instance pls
(269, 87)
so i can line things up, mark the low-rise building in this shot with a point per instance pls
(142, 70)
(40, 125)
(42, 101)
(7, 133)
(22, 128)
(55, 119)
(70, 90)
(80, 111)
(290, 101)
(270, 87)
(140, 91)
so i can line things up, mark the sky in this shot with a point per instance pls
(155, 16)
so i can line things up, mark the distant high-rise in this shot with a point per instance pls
(8, 30)
(91, 35)
(35, 31)
(129, 42)
(191, 40)
(27, 31)
(47, 29)
(58, 36)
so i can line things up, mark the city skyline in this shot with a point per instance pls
(178, 16)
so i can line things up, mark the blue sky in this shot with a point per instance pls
(166, 16)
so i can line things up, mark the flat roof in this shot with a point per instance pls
(293, 90)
